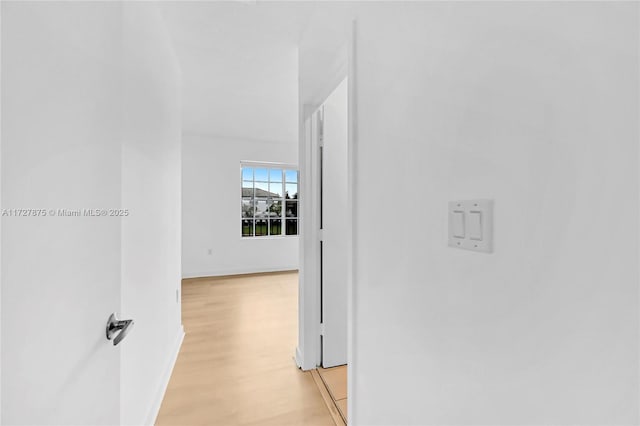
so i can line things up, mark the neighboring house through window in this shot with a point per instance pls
(269, 200)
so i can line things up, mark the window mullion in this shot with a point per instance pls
(283, 211)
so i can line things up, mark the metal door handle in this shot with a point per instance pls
(114, 324)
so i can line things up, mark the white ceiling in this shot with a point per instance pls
(239, 66)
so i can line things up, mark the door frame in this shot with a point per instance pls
(308, 355)
(1, 207)
(308, 350)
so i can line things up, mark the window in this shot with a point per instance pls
(269, 200)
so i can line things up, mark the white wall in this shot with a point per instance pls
(211, 208)
(240, 73)
(534, 105)
(239, 66)
(151, 233)
(0, 220)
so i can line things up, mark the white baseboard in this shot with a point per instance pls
(166, 376)
(224, 272)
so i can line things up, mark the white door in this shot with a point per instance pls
(334, 224)
(61, 112)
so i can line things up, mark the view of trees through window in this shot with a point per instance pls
(269, 200)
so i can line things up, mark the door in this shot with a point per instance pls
(334, 225)
(61, 113)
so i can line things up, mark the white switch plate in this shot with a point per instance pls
(477, 234)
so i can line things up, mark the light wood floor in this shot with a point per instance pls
(335, 380)
(332, 383)
(236, 363)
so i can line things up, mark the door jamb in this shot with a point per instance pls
(308, 350)
(352, 144)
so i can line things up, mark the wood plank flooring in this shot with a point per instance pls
(328, 400)
(335, 381)
(236, 363)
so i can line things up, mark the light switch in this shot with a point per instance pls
(458, 224)
(474, 223)
(471, 225)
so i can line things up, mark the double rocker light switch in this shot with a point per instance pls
(470, 224)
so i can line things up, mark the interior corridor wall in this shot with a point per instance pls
(212, 244)
(533, 105)
(151, 192)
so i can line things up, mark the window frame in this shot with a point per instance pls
(283, 217)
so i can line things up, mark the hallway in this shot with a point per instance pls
(457, 183)
(235, 366)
